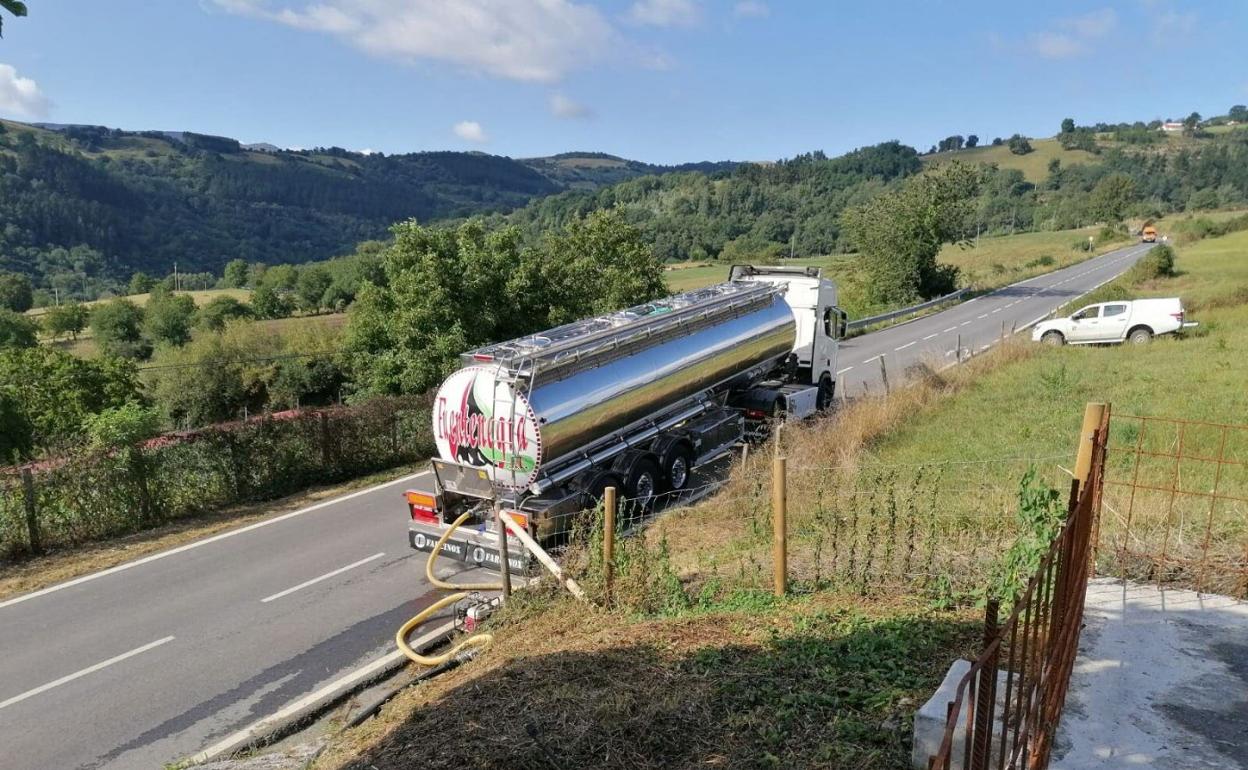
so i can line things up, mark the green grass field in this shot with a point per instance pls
(1034, 165)
(200, 297)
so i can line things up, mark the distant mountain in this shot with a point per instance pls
(82, 207)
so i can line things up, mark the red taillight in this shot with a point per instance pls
(482, 357)
(755, 414)
(423, 507)
(1178, 316)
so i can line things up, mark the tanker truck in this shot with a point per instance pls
(637, 399)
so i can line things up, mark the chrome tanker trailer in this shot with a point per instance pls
(637, 399)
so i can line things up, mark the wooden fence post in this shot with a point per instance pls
(779, 526)
(608, 542)
(957, 352)
(883, 373)
(1093, 414)
(32, 519)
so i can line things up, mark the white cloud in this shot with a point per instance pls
(665, 13)
(563, 107)
(1092, 25)
(751, 9)
(1073, 36)
(1055, 45)
(531, 40)
(20, 97)
(470, 131)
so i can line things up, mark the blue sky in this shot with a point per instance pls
(659, 80)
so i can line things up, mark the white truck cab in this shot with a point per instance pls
(1135, 321)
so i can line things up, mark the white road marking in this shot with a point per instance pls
(951, 328)
(846, 369)
(198, 543)
(998, 310)
(88, 670)
(326, 576)
(985, 315)
(908, 344)
(873, 358)
(928, 337)
(966, 323)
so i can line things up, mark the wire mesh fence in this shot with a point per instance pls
(91, 495)
(1007, 707)
(1176, 504)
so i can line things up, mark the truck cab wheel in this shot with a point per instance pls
(827, 392)
(1140, 336)
(1053, 338)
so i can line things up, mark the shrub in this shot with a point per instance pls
(1157, 263)
(1042, 261)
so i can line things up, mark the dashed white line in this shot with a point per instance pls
(967, 323)
(326, 576)
(985, 315)
(908, 344)
(951, 328)
(998, 310)
(846, 369)
(88, 670)
(928, 337)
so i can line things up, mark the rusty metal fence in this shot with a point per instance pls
(1176, 504)
(1006, 708)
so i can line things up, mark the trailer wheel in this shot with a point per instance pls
(642, 482)
(827, 392)
(677, 466)
(596, 489)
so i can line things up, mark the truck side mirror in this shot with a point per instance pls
(842, 324)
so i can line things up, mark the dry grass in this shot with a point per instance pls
(58, 566)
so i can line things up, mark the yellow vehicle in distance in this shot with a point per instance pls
(1148, 235)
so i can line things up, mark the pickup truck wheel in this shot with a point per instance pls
(827, 392)
(1140, 336)
(1053, 338)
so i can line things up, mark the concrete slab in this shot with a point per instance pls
(1161, 682)
(931, 718)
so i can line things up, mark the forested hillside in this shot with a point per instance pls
(794, 206)
(84, 207)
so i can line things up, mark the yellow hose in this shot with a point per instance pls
(480, 640)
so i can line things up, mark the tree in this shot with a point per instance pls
(1191, 122)
(56, 391)
(141, 283)
(70, 318)
(167, 318)
(1068, 126)
(996, 142)
(16, 293)
(311, 285)
(16, 432)
(972, 141)
(268, 302)
(1238, 113)
(117, 327)
(448, 290)
(900, 232)
(235, 274)
(221, 310)
(17, 331)
(14, 7)
(1111, 197)
(1019, 145)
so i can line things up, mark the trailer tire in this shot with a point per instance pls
(677, 465)
(643, 481)
(596, 489)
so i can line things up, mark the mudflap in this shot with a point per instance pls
(478, 549)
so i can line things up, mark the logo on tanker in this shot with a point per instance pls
(481, 422)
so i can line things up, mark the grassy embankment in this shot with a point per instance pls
(899, 509)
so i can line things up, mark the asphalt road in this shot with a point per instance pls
(976, 325)
(144, 664)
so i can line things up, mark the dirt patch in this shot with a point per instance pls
(65, 564)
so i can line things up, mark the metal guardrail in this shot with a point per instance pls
(875, 319)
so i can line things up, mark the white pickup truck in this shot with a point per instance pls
(1134, 321)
